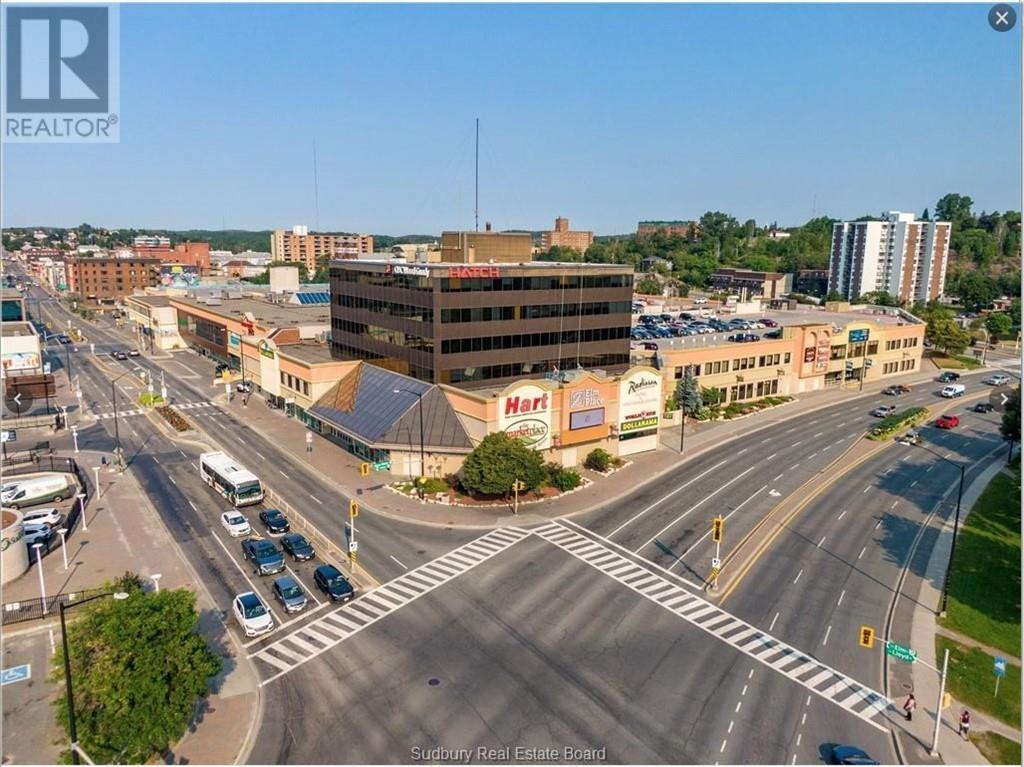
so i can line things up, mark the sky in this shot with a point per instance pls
(605, 114)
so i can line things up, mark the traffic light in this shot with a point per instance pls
(867, 637)
(364, 469)
(717, 528)
(353, 509)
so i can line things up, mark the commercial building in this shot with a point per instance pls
(20, 353)
(151, 241)
(12, 303)
(106, 281)
(899, 255)
(477, 325)
(563, 237)
(670, 228)
(155, 322)
(486, 247)
(767, 284)
(316, 248)
(811, 282)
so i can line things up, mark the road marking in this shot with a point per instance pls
(913, 483)
(777, 477)
(841, 598)
(808, 701)
(260, 455)
(841, 423)
(193, 506)
(729, 731)
(799, 737)
(316, 499)
(798, 576)
(240, 440)
(182, 453)
(929, 468)
(744, 690)
(862, 552)
(841, 514)
(741, 452)
(878, 524)
(766, 439)
(821, 541)
(723, 746)
(827, 447)
(794, 759)
(803, 719)
(739, 704)
(398, 562)
(798, 442)
(771, 456)
(828, 632)
(894, 504)
(171, 479)
(751, 674)
(817, 435)
(663, 498)
(283, 474)
(156, 459)
(772, 626)
(866, 489)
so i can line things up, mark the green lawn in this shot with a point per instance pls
(984, 595)
(997, 749)
(969, 362)
(972, 682)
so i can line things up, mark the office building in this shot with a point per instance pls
(151, 241)
(473, 325)
(314, 249)
(563, 237)
(740, 281)
(898, 255)
(106, 281)
(486, 247)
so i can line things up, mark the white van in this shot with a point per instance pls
(33, 490)
(953, 390)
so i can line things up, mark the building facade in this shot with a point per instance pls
(899, 255)
(562, 236)
(767, 284)
(479, 325)
(106, 281)
(811, 282)
(486, 247)
(671, 228)
(314, 249)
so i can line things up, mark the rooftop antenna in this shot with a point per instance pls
(316, 192)
(476, 182)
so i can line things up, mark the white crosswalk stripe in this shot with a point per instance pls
(139, 411)
(120, 414)
(312, 639)
(801, 667)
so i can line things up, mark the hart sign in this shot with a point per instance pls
(525, 413)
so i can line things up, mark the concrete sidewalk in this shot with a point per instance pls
(916, 736)
(125, 533)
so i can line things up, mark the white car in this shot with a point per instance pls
(700, 300)
(236, 524)
(39, 533)
(51, 517)
(999, 379)
(252, 614)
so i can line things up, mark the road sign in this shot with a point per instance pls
(999, 666)
(382, 466)
(15, 674)
(899, 652)
(353, 547)
(866, 637)
(9, 435)
(716, 563)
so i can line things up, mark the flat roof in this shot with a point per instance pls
(375, 264)
(264, 312)
(17, 329)
(307, 351)
(8, 294)
(151, 300)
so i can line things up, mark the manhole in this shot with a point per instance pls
(434, 682)
(907, 686)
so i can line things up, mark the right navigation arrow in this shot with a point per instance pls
(1005, 398)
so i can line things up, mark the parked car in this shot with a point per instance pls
(289, 594)
(777, 333)
(947, 421)
(768, 323)
(64, 338)
(883, 410)
(661, 332)
(51, 517)
(275, 522)
(947, 376)
(133, 352)
(329, 580)
(35, 490)
(952, 391)
(850, 755)
(264, 555)
(40, 533)
(297, 545)
(244, 387)
(999, 379)
(252, 614)
(685, 316)
(718, 325)
(744, 338)
(896, 389)
(666, 317)
(912, 437)
(236, 524)
(983, 407)
(649, 346)
(119, 355)
(221, 369)
(700, 301)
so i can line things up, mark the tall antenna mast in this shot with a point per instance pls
(316, 192)
(476, 182)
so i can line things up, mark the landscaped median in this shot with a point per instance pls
(897, 422)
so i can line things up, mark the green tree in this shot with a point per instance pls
(688, 394)
(559, 253)
(834, 295)
(1015, 312)
(712, 396)
(947, 335)
(998, 324)
(649, 286)
(880, 298)
(497, 462)
(976, 290)
(1010, 427)
(139, 667)
(956, 209)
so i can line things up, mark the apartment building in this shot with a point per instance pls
(314, 249)
(564, 237)
(898, 254)
(106, 281)
(767, 284)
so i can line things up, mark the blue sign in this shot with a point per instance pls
(999, 667)
(858, 336)
(15, 674)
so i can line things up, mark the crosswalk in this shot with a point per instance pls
(139, 411)
(320, 635)
(819, 678)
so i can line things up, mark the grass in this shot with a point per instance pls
(997, 749)
(972, 682)
(971, 363)
(984, 595)
(148, 400)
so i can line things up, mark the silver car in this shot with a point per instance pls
(999, 379)
(289, 594)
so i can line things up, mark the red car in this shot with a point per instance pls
(947, 421)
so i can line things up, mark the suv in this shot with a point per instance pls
(252, 614)
(910, 438)
(999, 379)
(946, 376)
(265, 557)
(329, 580)
(289, 594)
(896, 389)
(883, 410)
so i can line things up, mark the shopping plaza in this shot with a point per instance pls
(411, 365)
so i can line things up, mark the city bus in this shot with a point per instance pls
(229, 478)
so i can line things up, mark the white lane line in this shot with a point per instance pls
(929, 468)
(794, 759)
(808, 701)
(723, 746)
(818, 435)
(913, 483)
(851, 435)
(182, 453)
(738, 704)
(708, 532)
(194, 466)
(793, 466)
(841, 423)
(878, 524)
(821, 541)
(193, 506)
(399, 562)
(260, 455)
(156, 459)
(803, 719)
(841, 514)
(866, 489)
(171, 478)
(827, 447)
(751, 674)
(828, 631)
(776, 477)
(894, 504)
(841, 598)
(741, 452)
(771, 456)
(240, 440)
(729, 731)
(663, 498)
(316, 499)
(744, 690)
(799, 737)
(283, 474)
(796, 443)
(798, 575)
(772, 626)
(766, 439)
(814, 454)
(862, 552)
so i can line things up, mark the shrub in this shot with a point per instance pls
(598, 460)
(173, 417)
(431, 485)
(499, 461)
(897, 422)
(562, 478)
(148, 399)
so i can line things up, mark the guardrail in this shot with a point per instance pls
(31, 609)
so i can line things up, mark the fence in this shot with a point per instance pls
(31, 609)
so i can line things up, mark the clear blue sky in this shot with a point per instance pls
(604, 114)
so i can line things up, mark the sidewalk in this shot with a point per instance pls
(125, 533)
(337, 466)
(917, 735)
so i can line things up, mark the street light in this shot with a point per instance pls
(74, 436)
(156, 580)
(39, 566)
(117, 430)
(64, 546)
(419, 401)
(956, 526)
(81, 503)
(119, 595)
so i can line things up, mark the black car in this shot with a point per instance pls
(64, 339)
(947, 376)
(777, 333)
(297, 545)
(850, 755)
(274, 521)
(896, 390)
(983, 407)
(329, 580)
(744, 338)
(119, 355)
(265, 557)
(221, 368)
(718, 325)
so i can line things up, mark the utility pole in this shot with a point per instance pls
(938, 704)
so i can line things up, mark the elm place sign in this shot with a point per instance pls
(899, 652)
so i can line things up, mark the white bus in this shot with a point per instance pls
(229, 478)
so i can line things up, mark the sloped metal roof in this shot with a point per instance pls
(441, 426)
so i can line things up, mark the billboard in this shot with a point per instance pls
(15, 361)
(179, 275)
(524, 413)
(639, 401)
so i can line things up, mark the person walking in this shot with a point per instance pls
(965, 724)
(909, 705)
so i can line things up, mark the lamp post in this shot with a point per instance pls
(72, 728)
(39, 566)
(67, 358)
(74, 436)
(117, 429)
(956, 527)
(419, 402)
(64, 546)
(81, 505)
(156, 580)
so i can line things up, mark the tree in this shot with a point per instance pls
(998, 324)
(954, 208)
(879, 298)
(712, 396)
(1010, 427)
(688, 394)
(559, 253)
(138, 667)
(976, 290)
(947, 335)
(500, 460)
(649, 286)
(834, 295)
(924, 215)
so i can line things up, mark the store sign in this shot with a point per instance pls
(584, 419)
(824, 352)
(467, 272)
(809, 354)
(581, 398)
(525, 413)
(639, 401)
(234, 340)
(412, 271)
(20, 361)
(266, 350)
(858, 336)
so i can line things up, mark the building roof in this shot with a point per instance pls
(151, 301)
(311, 298)
(264, 312)
(375, 264)
(379, 407)
(17, 329)
(307, 351)
(11, 294)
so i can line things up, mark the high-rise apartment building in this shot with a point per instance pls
(899, 255)
(314, 249)
(564, 237)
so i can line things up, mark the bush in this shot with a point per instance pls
(897, 422)
(598, 460)
(148, 399)
(431, 485)
(499, 461)
(174, 418)
(671, 405)
(562, 478)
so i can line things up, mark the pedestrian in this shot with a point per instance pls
(309, 442)
(909, 705)
(965, 724)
